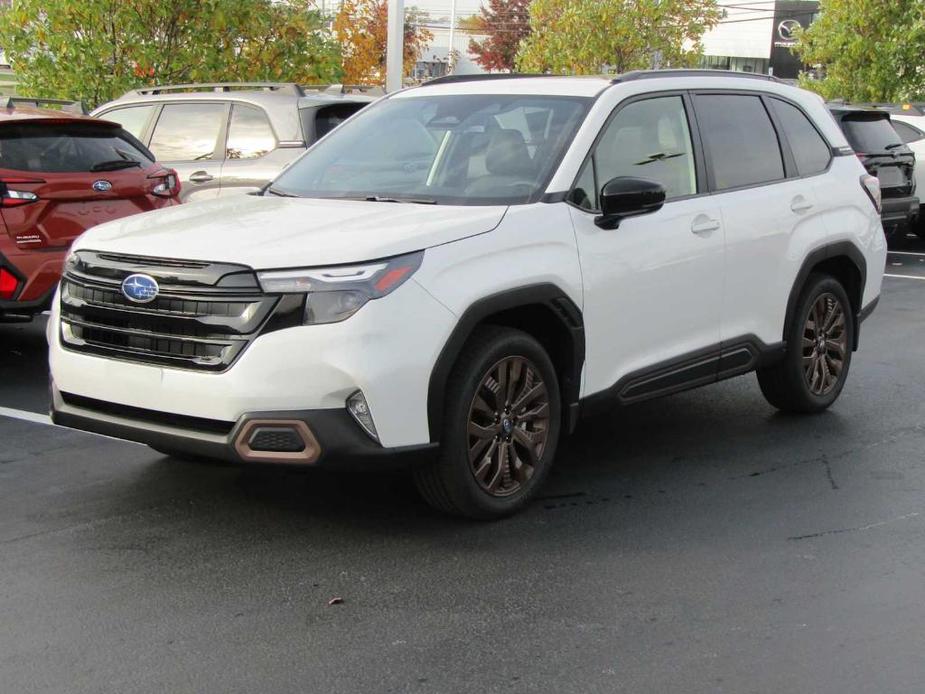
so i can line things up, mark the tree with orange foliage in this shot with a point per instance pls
(361, 28)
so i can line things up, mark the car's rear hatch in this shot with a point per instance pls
(881, 150)
(59, 177)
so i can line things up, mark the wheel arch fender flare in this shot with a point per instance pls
(568, 323)
(819, 256)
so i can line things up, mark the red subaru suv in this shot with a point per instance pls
(61, 174)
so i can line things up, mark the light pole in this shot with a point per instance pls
(395, 46)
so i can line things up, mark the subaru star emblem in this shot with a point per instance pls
(141, 289)
(102, 186)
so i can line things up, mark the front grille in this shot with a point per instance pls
(203, 318)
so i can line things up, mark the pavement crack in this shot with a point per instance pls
(839, 531)
(828, 471)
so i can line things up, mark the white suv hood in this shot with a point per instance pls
(276, 232)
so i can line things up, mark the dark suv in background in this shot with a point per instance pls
(885, 156)
(230, 137)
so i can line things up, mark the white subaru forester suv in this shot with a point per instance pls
(453, 276)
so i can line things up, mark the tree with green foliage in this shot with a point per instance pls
(868, 50)
(95, 50)
(585, 37)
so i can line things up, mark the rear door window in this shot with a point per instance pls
(188, 131)
(132, 118)
(249, 134)
(870, 133)
(741, 140)
(69, 147)
(811, 153)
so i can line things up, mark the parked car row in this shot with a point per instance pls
(229, 138)
(62, 173)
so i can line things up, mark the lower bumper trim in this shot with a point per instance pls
(338, 442)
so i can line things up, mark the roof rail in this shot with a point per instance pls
(290, 87)
(451, 79)
(66, 105)
(677, 72)
(343, 89)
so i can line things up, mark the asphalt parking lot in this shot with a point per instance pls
(701, 543)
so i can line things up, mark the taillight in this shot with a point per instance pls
(8, 284)
(871, 186)
(11, 197)
(169, 187)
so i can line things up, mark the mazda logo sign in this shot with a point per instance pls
(787, 29)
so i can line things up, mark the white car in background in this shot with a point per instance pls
(910, 126)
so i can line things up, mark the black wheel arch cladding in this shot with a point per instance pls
(542, 310)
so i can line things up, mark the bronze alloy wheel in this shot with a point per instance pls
(825, 344)
(508, 426)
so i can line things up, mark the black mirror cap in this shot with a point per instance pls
(628, 196)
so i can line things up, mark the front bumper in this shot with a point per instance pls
(387, 351)
(336, 440)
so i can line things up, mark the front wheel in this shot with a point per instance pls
(819, 345)
(501, 427)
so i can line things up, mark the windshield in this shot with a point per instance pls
(461, 149)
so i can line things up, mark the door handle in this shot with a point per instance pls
(704, 225)
(201, 177)
(800, 204)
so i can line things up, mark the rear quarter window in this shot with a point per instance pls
(908, 133)
(68, 147)
(811, 153)
(324, 119)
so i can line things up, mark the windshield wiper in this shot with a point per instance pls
(893, 146)
(115, 165)
(385, 198)
(279, 193)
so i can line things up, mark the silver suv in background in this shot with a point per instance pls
(230, 137)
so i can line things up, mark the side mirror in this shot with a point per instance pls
(627, 196)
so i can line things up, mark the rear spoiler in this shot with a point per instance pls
(65, 105)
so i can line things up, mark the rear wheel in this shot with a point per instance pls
(501, 427)
(812, 373)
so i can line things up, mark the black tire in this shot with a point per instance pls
(450, 484)
(788, 385)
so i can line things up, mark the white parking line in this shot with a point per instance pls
(25, 415)
(903, 253)
(904, 277)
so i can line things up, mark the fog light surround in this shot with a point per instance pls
(359, 410)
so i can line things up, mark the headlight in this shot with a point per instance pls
(335, 293)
